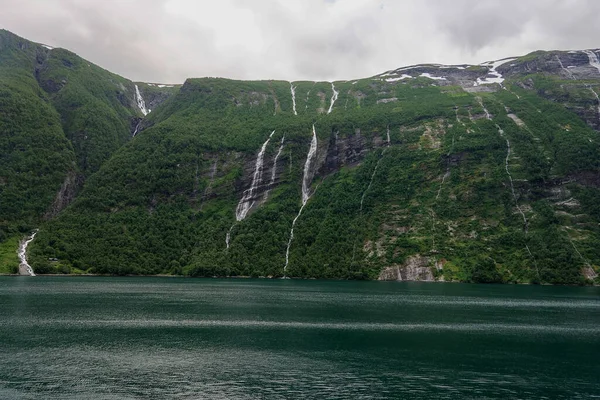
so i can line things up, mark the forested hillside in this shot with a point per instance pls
(487, 173)
(61, 118)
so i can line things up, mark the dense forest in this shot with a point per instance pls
(425, 173)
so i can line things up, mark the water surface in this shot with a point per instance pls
(138, 338)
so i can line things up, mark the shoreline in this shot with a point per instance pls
(288, 278)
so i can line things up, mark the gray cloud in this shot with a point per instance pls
(170, 40)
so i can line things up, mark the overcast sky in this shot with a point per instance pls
(169, 40)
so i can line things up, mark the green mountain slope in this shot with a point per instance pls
(487, 173)
(60, 119)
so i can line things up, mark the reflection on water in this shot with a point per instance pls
(110, 338)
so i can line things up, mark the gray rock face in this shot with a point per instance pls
(331, 156)
(65, 195)
(154, 99)
(347, 151)
(416, 268)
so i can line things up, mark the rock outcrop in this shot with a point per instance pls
(416, 268)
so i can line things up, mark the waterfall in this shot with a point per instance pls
(22, 253)
(597, 98)
(512, 187)
(569, 74)
(274, 169)
(362, 199)
(334, 97)
(293, 90)
(228, 236)
(140, 101)
(247, 201)
(388, 136)
(594, 62)
(137, 128)
(306, 179)
(487, 114)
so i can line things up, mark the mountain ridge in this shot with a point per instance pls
(483, 173)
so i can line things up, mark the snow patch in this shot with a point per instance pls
(496, 76)
(437, 78)
(48, 47)
(404, 76)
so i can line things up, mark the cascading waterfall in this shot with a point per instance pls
(362, 199)
(569, 74)
(22, 253)
(597, 98)
(512, 187)
(389, 142)
(293, 90)
(228, 236)
(137, 127)
(487, 114)
(594, 62)
(334, 97)
(247, 200)
(274, 169)
(305, 193)
(140, 101)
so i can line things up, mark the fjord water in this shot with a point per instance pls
(109, 338)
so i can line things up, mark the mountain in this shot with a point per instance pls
(61, 118)
(474, 173)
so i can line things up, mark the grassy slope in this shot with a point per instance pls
(441, 190)
(34, 153)
(59, 116)
(142, 212)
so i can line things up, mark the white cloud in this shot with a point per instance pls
(170, 40)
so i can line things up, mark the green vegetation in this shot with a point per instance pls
(60, 117)
(511, 199)
(9, 261)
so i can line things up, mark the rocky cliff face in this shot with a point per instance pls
(415, 268)
(482, 173)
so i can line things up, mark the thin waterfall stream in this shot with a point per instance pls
(312, 151)
(24, 267)
(248, 198)
(334, 97)
(140, 101)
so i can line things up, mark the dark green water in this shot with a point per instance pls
(138, 338)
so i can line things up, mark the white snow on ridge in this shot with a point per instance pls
(451, 66)
(48, 47)
(160, 85)
(399, 78)
(497, 76)
(437, 78)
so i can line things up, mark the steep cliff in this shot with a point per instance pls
(486, 173)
